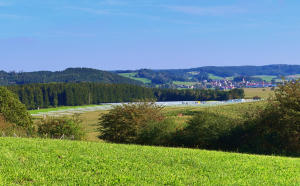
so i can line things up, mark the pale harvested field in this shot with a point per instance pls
(261, 92)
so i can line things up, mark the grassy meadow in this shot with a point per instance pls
(38, 161)
(180, 115)
(187, 83)
(132, 76)
(267, 78)
(60, 162)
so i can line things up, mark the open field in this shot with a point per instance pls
(261, 92)
(187, 83)
(131, 76)
(266, 77)
(91, 119)
(90, 124)
(214, 77)
(59, 162)
(62, 108)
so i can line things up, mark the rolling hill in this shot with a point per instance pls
(68, 75)
(154, 77)
(258, 73)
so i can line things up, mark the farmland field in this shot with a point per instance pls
(90, 119)
(184, 83)
(261, 92)
(60, 162)
(214, 77)
(266, 77)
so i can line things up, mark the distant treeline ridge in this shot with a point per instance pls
(71, 94)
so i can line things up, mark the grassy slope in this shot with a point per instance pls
(265, 77)
(187, 83)
(214, 77)
(39, 161)
(131, 76)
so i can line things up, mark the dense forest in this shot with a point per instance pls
(68, 75)
(71, 94)
(167, 76)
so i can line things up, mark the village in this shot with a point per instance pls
(226, 84)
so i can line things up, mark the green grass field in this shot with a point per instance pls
(131, 76)
(58, 162)
(187, 83)
(266, 77)
(214, 77)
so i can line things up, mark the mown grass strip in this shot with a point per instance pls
(60, 108)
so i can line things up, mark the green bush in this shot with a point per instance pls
(61, 127)
(205, 129)
(275, 129)
(124, 123)
(278, 126)
(256, 98)
(13, 111)
(158, 133)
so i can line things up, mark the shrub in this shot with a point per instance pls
(124, 123)
(256, 98)
(278, 126)
(158, 133)
(62, 126)
(13, 111)
(205, 129)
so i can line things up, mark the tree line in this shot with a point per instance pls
(72, 94)
(67, 76)
(197, 94)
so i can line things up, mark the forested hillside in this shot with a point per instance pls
(71, 94)
(211, 72)
(274, 70)
(148, 76)
(68, 75)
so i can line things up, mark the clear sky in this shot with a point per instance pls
(133, 34)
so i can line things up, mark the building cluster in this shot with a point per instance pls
(226, 84)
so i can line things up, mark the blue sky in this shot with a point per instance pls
(157, 34)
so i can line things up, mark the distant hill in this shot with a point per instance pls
(267, 72)
(68, 75)
(272, 70)
(154, 77)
